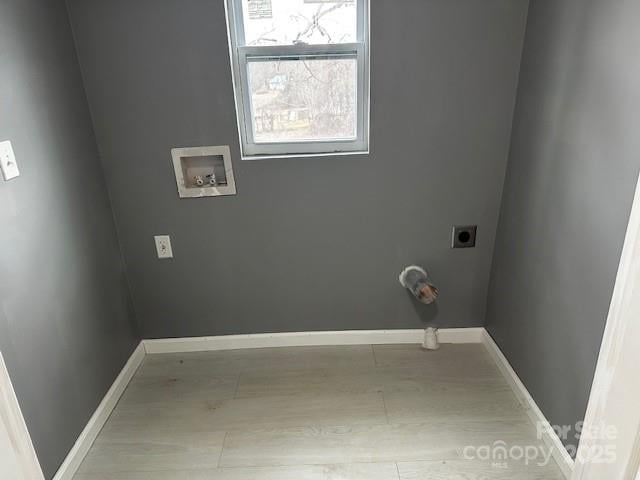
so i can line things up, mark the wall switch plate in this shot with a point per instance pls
(464, 236)
(163, 246)
(8, 163)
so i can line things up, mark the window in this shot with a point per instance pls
(301, 75)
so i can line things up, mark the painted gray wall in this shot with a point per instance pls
(66, 321)
(311, 243)
(572, 172)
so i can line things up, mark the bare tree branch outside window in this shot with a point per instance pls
(308, 97)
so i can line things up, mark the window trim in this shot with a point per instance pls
(241, 55)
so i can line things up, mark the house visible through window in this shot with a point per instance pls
(301, 75)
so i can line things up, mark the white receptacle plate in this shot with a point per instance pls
(8, 163)
(163, 246)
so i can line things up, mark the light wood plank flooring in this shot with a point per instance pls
(388, 412)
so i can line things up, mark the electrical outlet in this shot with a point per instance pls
(8, 163)
(163, 246)
(464, 236)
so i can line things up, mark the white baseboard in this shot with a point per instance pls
(71, 464)
(551, 439)
(303, 339)
(21, 460)
(459, 335)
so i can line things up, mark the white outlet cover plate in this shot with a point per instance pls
(163, 246)
(8, 163)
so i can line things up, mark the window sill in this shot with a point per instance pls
(303, 155)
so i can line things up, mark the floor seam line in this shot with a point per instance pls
(235, 393)
(373, 352)
(224, 439)
(280, 465)
(384, 404)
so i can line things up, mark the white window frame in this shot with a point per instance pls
(241, 55)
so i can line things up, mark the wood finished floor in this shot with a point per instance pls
(389, 412)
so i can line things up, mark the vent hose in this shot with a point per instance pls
(416, 280)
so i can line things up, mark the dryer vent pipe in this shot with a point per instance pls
(416, 280)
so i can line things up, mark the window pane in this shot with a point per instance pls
(303, 99)
(289, 22)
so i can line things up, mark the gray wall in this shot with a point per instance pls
(311, 243)
(66, 322)
(572, 172)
